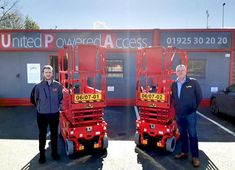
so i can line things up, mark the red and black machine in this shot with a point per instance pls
(83, 76)
(156, 123)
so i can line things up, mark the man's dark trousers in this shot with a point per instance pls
(43, 120)
(188, 133)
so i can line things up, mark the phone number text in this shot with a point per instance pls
(197, 40)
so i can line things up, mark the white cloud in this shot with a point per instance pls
(100, 25)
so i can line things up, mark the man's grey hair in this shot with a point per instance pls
(180, 66)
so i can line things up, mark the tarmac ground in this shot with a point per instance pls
(19, 144)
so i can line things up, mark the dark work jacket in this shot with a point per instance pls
(190, 97)
(48, 97)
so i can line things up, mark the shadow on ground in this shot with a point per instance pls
(18, 123)
(86, 161)
(160, 159)
(121, 122)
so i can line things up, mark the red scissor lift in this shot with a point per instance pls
(156, 124)
(82, 74)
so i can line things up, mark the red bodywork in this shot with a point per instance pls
(156, 124)
(83, 76)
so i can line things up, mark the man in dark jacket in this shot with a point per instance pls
(48, 96)
(186, 96)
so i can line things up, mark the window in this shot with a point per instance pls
(197, 68)
(54, 64)
(114, 68)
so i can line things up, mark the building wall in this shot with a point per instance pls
(216, 71)
(19, 48)
(125, 87)
(13, 73)
(213, 47)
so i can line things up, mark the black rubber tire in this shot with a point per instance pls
(137, 139)
(105, 142)
(69, 147)
(214, 107)
(170, 144)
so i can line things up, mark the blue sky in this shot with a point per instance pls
(129, 14)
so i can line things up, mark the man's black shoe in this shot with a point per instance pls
(55, 156)
(181, 156)
(42, 159)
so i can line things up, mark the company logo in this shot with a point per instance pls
(106, 40)
(54, 89)
(6, 41)
(22, 40)
(57, 40)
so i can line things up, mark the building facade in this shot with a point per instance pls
(23, 53)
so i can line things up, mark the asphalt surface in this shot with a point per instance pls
(19, 144)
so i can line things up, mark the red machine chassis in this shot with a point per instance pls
(157, 124)
(81, 120)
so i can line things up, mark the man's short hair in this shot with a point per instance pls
(180, 67)
(47, 67)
